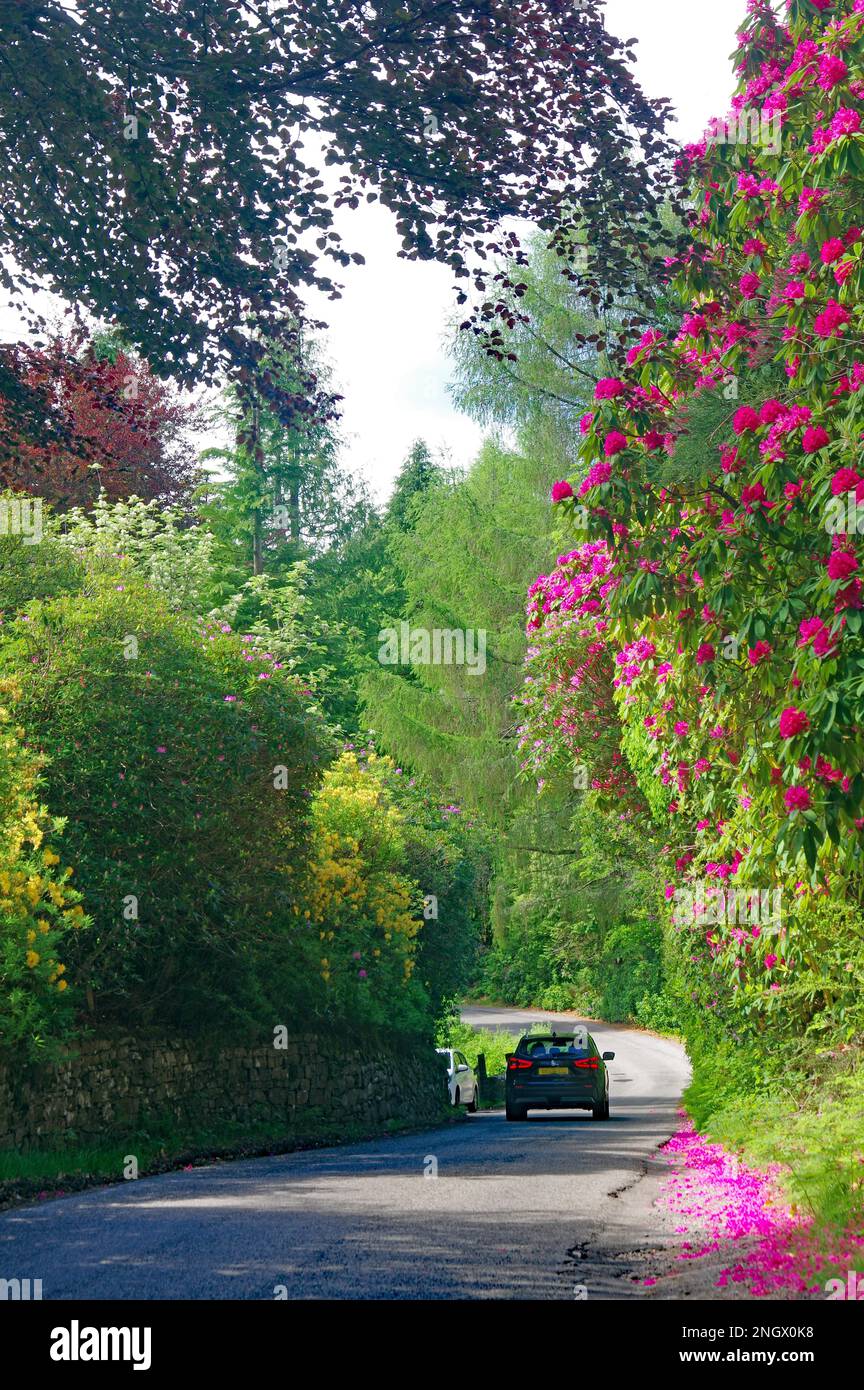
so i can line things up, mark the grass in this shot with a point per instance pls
(473, 1041)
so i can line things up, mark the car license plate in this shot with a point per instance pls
(552, 1071)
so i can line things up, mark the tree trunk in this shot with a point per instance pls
(294, 506)
(257, 518)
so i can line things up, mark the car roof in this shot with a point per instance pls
(556, 1037)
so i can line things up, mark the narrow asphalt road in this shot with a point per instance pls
(515, 1211)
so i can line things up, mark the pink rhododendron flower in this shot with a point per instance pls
(807, 630)
(849, 596)
(810, 199)
(611, 386)
(759, 653)
(795, 290)
(825, 772)
(814, 439)
(561, 490)
(745, 419)
(599, 473)
(832, 70)
(753, 494)
(614, 444)
(846, 121)
(647, 340)
(832, 250)
(824, 644)
(841, 564)
(749, 284)
(771, 411)
(793, 721)
(694, 326)
(832, 318)
(844, 480)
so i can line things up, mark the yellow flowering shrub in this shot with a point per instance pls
(363, 914)
(38, 905)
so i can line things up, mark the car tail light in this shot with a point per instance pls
(586, 1064)
(518, 1063)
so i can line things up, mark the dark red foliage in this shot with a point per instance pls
(73, 421)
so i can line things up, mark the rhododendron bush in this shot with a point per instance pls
(571, 716)
(720, 603)
(182, 759)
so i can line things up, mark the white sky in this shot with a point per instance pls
(385, 336)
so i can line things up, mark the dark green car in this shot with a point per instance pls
(557, 1071)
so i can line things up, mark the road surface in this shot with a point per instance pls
(517, 1211)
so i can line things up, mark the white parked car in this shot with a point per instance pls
(463, 1084)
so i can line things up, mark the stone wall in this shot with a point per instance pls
(105, 1090)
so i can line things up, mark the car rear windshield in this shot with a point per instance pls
(566, 1042)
